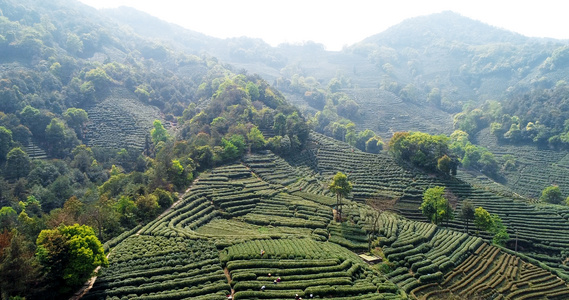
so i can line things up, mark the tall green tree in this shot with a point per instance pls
(374, 145)
(341, 187)
(482, 219)
(363, 137)
(253, 91)
(435, 207)
(421, 149)
(5, 142)
(256, 138)
(159, 133)
(76, 119)
(19, 269)
(17, 164)
(230, 151)
(60, 138)
(551, 194)
(467, 212)
(279, 124)
(501, 235)
(69, 255)
(100, 79)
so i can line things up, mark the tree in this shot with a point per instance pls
(19, 269)
(421, 149)
(74, 43)
(55, 136)
(482, 219)
(467, 212)
(126, 209)
(104, 216)
(374, 145)
(165, 199)
(444, 164)
(99, 78)
(34, 120)
(256, 138)
(363, 137)
(17, 164)
(76, 119)
(5, 142)
(230, 151)
(178, 175)
(351, 137)
(341, 187)
(447, 212)
(69, 254)
(238, 140)
(21, 134)
(8, 217)
(253, 91)
(501, 235)
(146, 207)
(279, 124)
(83, 158)
(435, 207)
(551, 194)
(159, 133)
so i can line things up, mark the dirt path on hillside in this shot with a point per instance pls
(228, 275)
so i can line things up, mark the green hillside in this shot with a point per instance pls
(418, 75)
(155, 162)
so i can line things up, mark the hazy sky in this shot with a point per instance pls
(339, 23)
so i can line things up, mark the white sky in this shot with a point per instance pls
(338, 23)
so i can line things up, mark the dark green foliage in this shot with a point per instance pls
(17, 164)
(164, 198)
(551, 194)
(467, 212)
(435, 206)
(159, 133)
(5, 142)
(76, 119)
(69, 254)
(19, 270)
(421, 149)
(341, 187)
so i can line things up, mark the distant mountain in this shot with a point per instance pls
(240, 50)
(149, 26)
(445, 26)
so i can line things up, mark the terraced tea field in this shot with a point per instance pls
(225, 220)
(491, 274)
(145, 267)
(535, 169)
(264, 229)
(541, 230)
(120, 121)
(383, 114)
